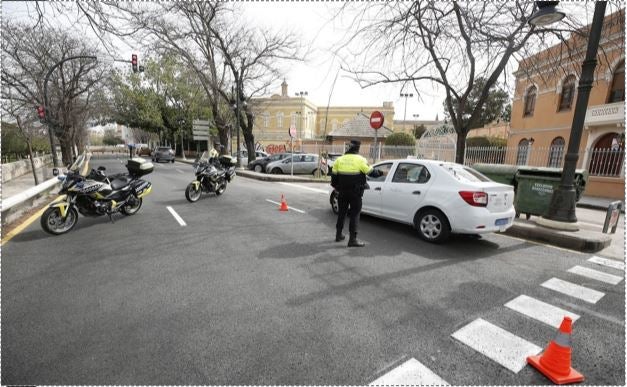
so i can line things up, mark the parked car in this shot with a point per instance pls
(243, 155)
(163, 153)
(303, 163)
(144, 151)
(259, 165)
(437, 198)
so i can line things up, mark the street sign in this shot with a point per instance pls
(292, 131)
(376, 120)
(200, 130)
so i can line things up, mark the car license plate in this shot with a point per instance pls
(501, 222)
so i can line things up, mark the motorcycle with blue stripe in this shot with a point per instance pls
(212, 175)
(93, 193)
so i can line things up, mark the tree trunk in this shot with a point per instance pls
(32, 161)
(461, 145)
(223, 134)
(66, 152)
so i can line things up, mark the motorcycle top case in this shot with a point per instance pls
(227, 160)
(139, 167)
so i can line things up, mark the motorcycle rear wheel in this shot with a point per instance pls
(191, 193)
(221, 189)
(129, 210)
(53, 223)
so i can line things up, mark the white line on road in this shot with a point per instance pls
(541, 311)
(176, 216)
(291, 208)
(307, 188)
(607, 262)
(503, 347)
(595, 274)
(573, 290)
(410, 373)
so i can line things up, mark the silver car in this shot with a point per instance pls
(303, 164)
(163, 153)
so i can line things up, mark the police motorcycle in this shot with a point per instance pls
(93, 193)
(212, 172)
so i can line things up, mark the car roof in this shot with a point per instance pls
(422, 161)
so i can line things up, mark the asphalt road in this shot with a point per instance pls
(245, 294)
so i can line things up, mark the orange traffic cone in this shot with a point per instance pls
(283, 206)
(554, 363)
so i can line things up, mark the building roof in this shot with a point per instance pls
(359, 127)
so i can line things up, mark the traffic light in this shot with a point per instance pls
(134, 62)
(41, 112)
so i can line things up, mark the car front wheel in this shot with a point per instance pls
(258, 168)
(335, 205)
(277, 171)
(432, 225)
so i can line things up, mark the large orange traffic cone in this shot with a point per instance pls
(554, 363)
(283, 206)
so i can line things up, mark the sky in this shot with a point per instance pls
(318, 31)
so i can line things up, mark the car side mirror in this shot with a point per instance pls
(55, 171)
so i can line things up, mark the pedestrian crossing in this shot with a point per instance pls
(505, 348)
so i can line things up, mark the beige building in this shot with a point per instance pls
(544, 102)
(498, 129)
(275, 115)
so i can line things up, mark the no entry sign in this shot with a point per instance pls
(376, 120)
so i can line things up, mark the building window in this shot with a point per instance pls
(266, 120)
(279, 120)
(530, 101)
(568, 93)
(607, 156)
(617, 92)
(293, 120)
(334, 125)
(556, 152)
(523, 152)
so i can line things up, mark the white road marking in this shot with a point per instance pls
(179, 170)
(607, 262)
(307, 188)
(290, 207)
(496, 343)
(176, 216)
(595, 274)
(573, 290)
(541, 311)
(410, 373)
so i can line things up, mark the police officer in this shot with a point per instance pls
(349, 179)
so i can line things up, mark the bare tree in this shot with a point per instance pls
(450, 45)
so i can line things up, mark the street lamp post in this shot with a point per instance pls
(562, 208)
(51, 124)
(405, 95)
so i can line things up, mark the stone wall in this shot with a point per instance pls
(19, 168)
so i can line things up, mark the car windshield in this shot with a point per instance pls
(81, 164)
(163, 149)
(275, 157)
(464, 174)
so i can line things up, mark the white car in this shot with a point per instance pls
(437, 198)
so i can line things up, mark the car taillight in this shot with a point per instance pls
(474, 198)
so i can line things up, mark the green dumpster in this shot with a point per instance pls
(501, 173)
(535, 186)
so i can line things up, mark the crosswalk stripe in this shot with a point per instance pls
(573, 290)
(607, 262)
(596, 275)
(496, 343)
(410, 373)
(539, 310)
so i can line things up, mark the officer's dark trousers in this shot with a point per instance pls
(345, 199)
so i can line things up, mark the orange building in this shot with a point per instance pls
(544, 102)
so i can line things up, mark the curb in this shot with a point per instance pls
(16, 205)
(583, 241)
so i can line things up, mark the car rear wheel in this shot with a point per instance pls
(258, 168)
(432, 225)
(314, 172)
(335, 204)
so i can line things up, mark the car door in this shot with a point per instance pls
(299, 164)
(404, 191)
(371, 202)
(310, 164)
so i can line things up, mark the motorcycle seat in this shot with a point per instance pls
(120, 182)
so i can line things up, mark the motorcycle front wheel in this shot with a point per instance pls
(132, 208)
(53, 223)
(192, 193)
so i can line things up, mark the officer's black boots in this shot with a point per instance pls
(339, 236)
(354, 242)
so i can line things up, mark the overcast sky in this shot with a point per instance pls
(319, 32)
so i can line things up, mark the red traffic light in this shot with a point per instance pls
(134, 62)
